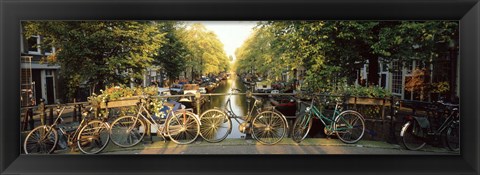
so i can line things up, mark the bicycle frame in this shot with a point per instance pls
(228, 109)
(312, 109)
(450, 119)
(70, 137)
(152, 121)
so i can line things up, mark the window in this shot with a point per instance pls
(49, 50)
(33, 45)
(397, 78)
(408, 67)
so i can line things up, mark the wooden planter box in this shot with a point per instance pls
(131, 101)
(368, 101)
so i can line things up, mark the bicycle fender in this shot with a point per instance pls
(194, 115)
(404, 128)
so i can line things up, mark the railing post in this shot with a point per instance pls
(25, 120)
(384, 135)
(148, 138)
(42, 111)
(393, 115)
(197, 99)
(80, 109)
(50, 116)
(31, 121)
(74, 116)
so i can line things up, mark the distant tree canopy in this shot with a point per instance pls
(332, 51)
(97, 53)
(206, 51)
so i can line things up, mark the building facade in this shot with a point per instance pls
(39, 80)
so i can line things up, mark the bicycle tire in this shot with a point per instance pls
(125, 133)
(410, 138)
(265, 131)
(301, 128)
(34, 144)
(349, 118)
(453, 137)
(183, 127)
(216, 125)
(93, 137)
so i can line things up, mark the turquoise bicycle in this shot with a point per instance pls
(348, 125)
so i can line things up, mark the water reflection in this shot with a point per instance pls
(239, 106)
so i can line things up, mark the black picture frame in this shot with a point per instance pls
(12, 12)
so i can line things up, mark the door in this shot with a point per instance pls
(50, 95)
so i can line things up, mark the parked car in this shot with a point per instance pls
(163, 91)
(176, 89)
(202, 90)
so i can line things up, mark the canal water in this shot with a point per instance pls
(239, 102)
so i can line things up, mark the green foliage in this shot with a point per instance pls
(99, 52)
(441, 87)
(360, 91)
(206, 54)
(173, 54)
(113, 93)
(333, 51)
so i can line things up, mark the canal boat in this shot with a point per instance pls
(284, 104)
(210, 86)
(190, 101)
(263, 87)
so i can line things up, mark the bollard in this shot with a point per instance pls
(42, 111)
(50, 116)
(31, 121)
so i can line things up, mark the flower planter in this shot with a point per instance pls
(368, 101)
(131, 101)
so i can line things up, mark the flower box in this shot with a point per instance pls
(131, 101)
(368, 101)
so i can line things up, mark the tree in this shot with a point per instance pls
(173, 54)
(99, 52)
(333, 51)
(206, 54)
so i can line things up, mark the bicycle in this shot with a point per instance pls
(417, 131)
(267, 127)
(180, 125)
(90, 136)
(348, 125)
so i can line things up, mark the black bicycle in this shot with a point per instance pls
(90, 136)
(417, 131)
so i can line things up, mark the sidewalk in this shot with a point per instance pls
(159, 144)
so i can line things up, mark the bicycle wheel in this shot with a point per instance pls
(41, 140)
(183, 127)
(349, 126)
(216, 125)
(301, 127)
(127, 131)
(411, 136)
(269, 127)
(453, 137)
(93, 137)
